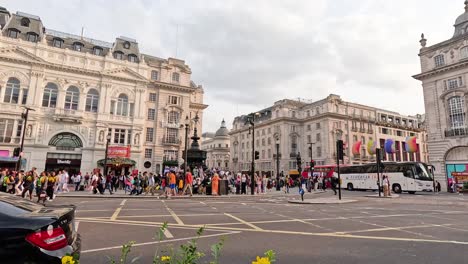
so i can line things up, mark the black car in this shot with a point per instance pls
(34, 233)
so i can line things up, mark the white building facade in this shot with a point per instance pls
(82, 91)
(444, 73)
(292, 125)
(217, 147)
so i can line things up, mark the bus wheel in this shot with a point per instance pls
(396, 188)
(412, 192)
(350, 187)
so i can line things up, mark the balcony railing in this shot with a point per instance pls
(354, 129)
(456, 132)
(68, 115)
(170, 141)
(362, 130)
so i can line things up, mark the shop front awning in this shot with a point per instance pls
(117, 162)
(9, 159)
(293, 172)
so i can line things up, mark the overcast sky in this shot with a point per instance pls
(249, 54)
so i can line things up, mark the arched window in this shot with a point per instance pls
(92, 101)
(66, 141)
(57, 42)
(118, 55)
(12, 91)
(49, 99)
(97, 51)
(173, 117)
(132, 58)
(25, 22)
(72, 98)
(154, 75)
(122, 105)
(457, 112)
(317, 111)
(77, 46)
(13, 33)
(175, 77)
(32, 37)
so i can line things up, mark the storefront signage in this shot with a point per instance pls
(118, 152)
(59, 161)
(72, 162)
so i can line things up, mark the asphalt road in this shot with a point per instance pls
(411, 229)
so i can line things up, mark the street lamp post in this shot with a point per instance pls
(278, 187)
(108, 138)
(187, 124)
(25, 117)
(251, 120)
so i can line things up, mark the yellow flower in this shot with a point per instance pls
(68, 260)
(165, 258)
(263, 260)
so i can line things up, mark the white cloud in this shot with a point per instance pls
(249, 54)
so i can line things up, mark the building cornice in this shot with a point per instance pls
(198, 106)
(440, 70)
(171, 86)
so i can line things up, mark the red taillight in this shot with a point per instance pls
(51, 239)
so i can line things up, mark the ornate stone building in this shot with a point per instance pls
(293, 124)
(444, 73)
(82, 90)
(217, 146)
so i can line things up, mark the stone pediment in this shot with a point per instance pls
(17, 53)
(125, 73)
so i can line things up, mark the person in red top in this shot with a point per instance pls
(188, 182)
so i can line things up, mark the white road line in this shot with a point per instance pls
(77, 224)
(159, 242)
(243, 222)
(167, 233)
(390, 228)
(176, 218)
(123, 202)
(203, 203)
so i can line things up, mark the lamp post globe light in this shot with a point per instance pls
(108, 138)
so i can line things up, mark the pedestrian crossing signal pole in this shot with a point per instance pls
(339, 156)
(379, 166)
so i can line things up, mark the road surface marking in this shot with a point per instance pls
(391, 228)
(243, 203)
(243, 222)
(77, 224)
(176, 218)
(212, 228)
(158, 242)
(116, 213)
(123, 202)
(203, 203)
(168, 234)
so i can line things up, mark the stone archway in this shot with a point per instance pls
(67, 153)
(456, 163)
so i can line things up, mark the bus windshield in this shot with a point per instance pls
(422, 173)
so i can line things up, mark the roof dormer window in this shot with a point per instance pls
(175, 77)
(25, 22)
(126, 45)
(439, 60)
(32, 37)
(132, 58)
(97, 51)
(77, 46)
(58, 43)
(13, 33)
(118, 55)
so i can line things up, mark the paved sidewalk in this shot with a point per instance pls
(331, 200)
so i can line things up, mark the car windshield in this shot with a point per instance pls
(422, 173)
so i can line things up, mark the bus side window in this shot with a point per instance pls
(408, 171)
(419, 173)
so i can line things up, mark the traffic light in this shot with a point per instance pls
(16, 152)
(379, 155)
(312, 164)
(340, 149)
(257, 155)
(299, 160)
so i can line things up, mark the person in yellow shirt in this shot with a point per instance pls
(51, 182)
(41, 184)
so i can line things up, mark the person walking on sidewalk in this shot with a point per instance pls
(188, 182)
(172, 183)
(385, 185)
(243, 184)
(108, 184)
(51, 183)
(77, 181)
(334, 183)
(215, 184)
(28, 185)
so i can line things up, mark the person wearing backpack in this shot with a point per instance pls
(41, 185)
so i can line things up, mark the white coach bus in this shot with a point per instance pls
(408, 177)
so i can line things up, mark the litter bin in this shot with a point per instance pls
(223, 187)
